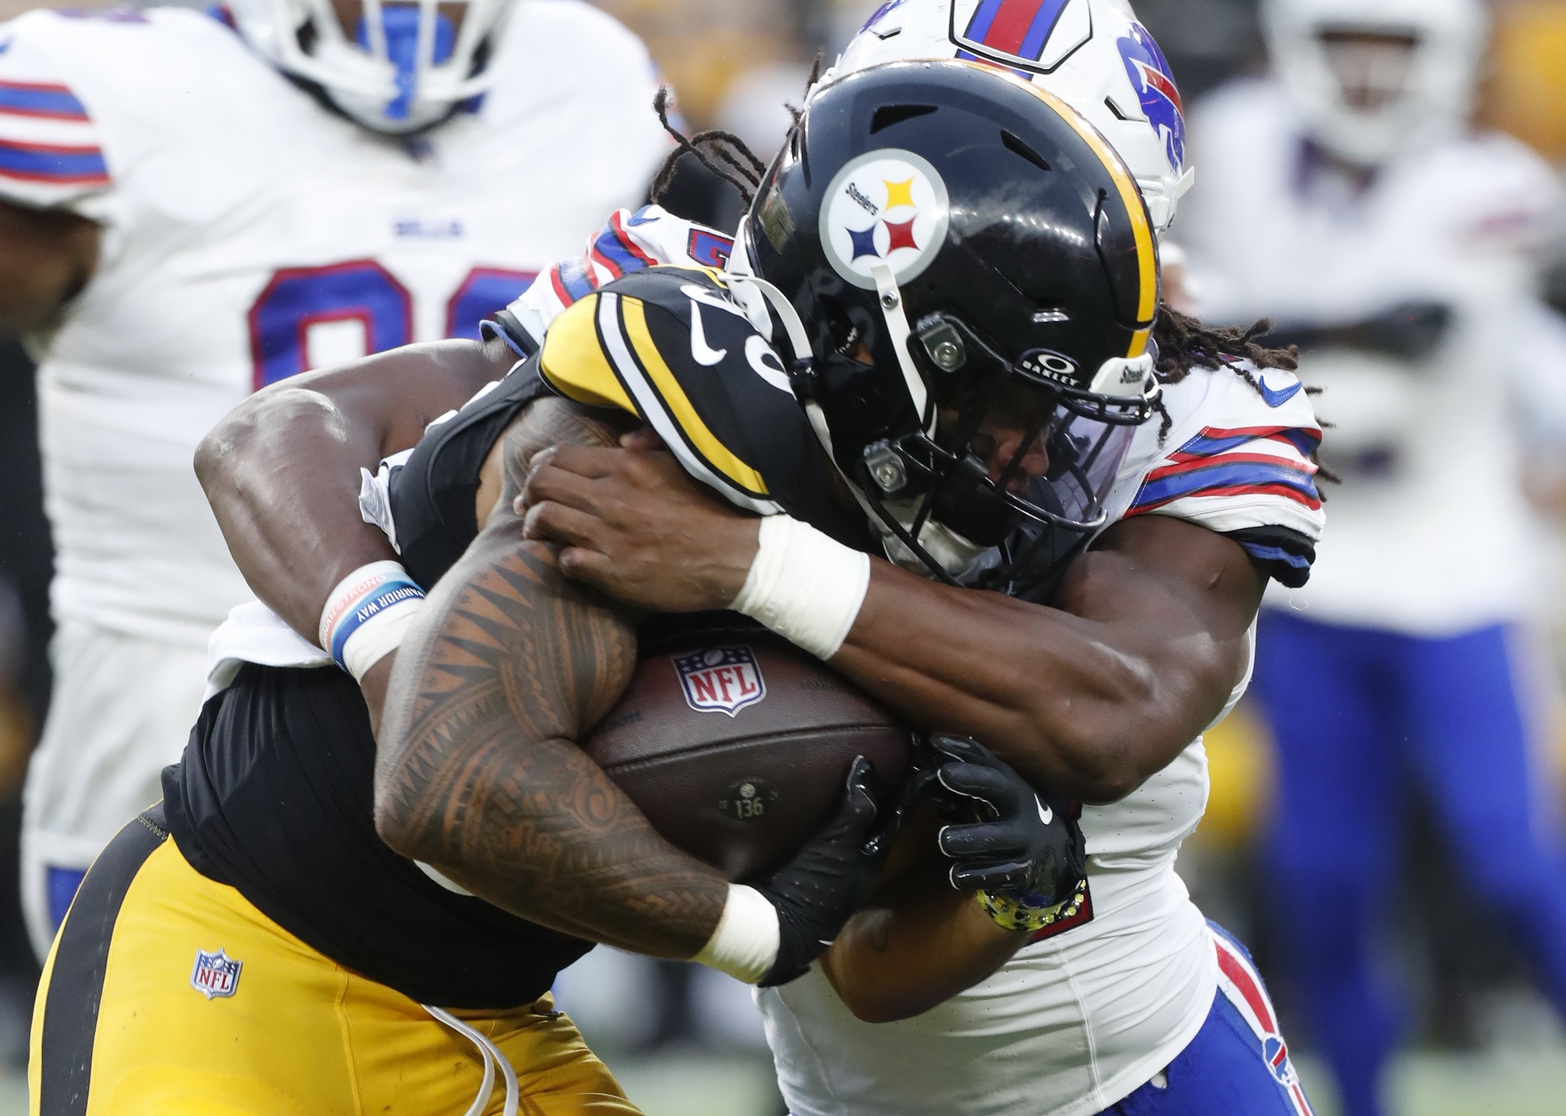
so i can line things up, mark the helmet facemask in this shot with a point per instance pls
(403, 67)
(1009, 476)
(1373, 79)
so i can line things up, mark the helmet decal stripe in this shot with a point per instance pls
(671, 393)
(1019, 27)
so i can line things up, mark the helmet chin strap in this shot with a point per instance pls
(897, 331)
(739, 274)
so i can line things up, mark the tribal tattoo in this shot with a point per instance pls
(478, 771)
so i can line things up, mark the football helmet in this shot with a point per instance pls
(968, 278)
(406, 65)
(1420, 99)
(1092, 54)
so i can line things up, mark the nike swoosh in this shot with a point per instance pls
(1046, 815)
(1277, 398)
(703, 353)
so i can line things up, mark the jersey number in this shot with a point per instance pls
(307, 317)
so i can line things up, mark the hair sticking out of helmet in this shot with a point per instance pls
(395, 67)
(1092, 54)
(967, 276)
(1375, 78)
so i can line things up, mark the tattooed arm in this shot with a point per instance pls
(478, 772)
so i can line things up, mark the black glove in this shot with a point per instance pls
(1022, 843)
(1410, 330)
(825, 882)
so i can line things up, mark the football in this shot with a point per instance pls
(736, 745)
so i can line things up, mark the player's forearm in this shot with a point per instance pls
(1088, 698)
(479, 775)
(281, 471)
(1045, 689)
(917, 944)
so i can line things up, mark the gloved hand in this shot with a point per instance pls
(1407, 330)
(826, 881)
(1410, 330)
(1019, 843)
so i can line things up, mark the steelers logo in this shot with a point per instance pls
(887, 205)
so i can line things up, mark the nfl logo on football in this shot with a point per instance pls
(215, 974)
(720, 679)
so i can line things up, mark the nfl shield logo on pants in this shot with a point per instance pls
(720, 679)
(215, 974)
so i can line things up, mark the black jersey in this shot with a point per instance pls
(273, 797)
(670, 346)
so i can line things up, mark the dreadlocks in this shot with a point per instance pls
(723, 153)
(1185, 343)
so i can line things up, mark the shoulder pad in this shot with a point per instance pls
(669, 345)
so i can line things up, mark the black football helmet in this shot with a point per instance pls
(968, 277)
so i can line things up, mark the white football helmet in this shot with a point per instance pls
(1419, 99)
(403, 68)
(1092, 54)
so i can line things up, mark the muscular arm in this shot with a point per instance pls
(46, 257)
(1089, 697)
(281, 470)
(478, 770)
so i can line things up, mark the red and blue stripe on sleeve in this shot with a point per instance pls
(610, 254)
(47, 139)
(1236, 462)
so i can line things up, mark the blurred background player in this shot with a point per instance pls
(195, 205)
(1348, 199)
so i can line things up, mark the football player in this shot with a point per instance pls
(931, 353)
(194, 205)
(1398, 246)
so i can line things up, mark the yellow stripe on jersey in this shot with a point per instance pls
(574, 363)
(1130, 197)
(678, 404)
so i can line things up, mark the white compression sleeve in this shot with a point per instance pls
(804, 585)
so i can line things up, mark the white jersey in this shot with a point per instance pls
(1430, 534)
(1077, 1021)
(250, 234)
(1081, 1019)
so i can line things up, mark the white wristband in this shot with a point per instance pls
(368, 614)
(745, 944)
(804, 585)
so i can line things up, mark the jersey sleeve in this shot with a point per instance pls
(628, 242)
(51, 150)
(671, 349)
(1238, 458)
(670, 346)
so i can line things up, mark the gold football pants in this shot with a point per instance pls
(167, 994)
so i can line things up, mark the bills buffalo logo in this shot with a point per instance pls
(1031, 36)
(888, 205)
(1277, 1055)
(215, 974)
(1155, 88)
(720, 679)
